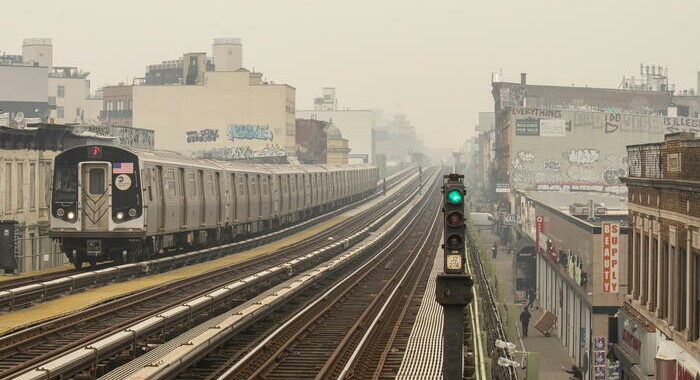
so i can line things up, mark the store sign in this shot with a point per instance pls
(527, 127)
(553, 127)
(611, 257)
(539, 228)
(502, 188)
(509, 219)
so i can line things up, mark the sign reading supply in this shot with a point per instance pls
(611, 256)
(527, 127)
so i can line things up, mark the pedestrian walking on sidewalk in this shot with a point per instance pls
(525, 320)
(494, 250)
(531, 296)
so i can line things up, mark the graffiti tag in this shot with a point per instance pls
(204, 135)
(583, 156)
(249, 132)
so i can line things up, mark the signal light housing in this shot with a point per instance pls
(453, 212)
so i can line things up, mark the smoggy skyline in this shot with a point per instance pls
(429, 60)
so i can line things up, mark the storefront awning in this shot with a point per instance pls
(630, 364)
(670, 350)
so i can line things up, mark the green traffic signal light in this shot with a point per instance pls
(454, 196)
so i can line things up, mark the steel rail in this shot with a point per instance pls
(131, 332)
(23, 292)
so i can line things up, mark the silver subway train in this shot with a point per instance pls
(126, 205)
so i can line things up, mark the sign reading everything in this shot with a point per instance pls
(611, 259)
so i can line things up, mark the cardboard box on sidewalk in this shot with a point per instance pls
(545, 322)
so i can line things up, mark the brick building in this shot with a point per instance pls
(664, 289)
(311, 139)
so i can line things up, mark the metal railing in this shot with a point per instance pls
(37, 253)
(490, 313)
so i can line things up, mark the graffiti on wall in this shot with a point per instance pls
(227, 153)
(583, 156)
(124, 136)
(240, 152)
(249, 132)
(203, 135)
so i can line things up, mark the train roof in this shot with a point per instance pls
(167, 156)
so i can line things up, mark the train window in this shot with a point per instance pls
(96, 181)
(192, 184)
(65, 186)
(253, 187)
(170, 183)
(241, 188)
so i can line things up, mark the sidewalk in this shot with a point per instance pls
(552, 353)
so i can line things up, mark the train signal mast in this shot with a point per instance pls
(453, 290)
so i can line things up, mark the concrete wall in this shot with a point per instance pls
(24, 89)
(74, 101)
(30, 209)
(226, 117)
(357, 127)
(551, 149)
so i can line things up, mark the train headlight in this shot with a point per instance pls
(119, 215)
(70, 215)
(60, 212)
(132, 212)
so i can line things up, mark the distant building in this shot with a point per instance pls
(311, 139)
(225, 114)
(357, 126)
(26, 153)
(660, 324)
(337, 150)
(117, 105)
(397, 140)
(69, 91)
(327, 102)
(560, 138)
(24, 86)
(31, 84)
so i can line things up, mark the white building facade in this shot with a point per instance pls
(69, 91)
(231, 115)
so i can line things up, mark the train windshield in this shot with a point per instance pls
(65, 183)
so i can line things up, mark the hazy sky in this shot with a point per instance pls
(428, 59)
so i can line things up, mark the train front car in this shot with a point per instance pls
(96, 205)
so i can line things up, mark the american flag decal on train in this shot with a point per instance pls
(122, 168)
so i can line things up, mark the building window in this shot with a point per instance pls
(20, 186)
(77, 112)
(52, 100)
(61, 91)
(8, 187)
(59, 112)
(32, 186)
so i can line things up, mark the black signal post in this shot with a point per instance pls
(453, 286)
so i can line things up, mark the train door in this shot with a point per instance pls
(217, 198)
(234, 199)
(95, 196)
(183, 198)
(202, 199)
(160, 201)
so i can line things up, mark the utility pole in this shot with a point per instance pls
(453, 290)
